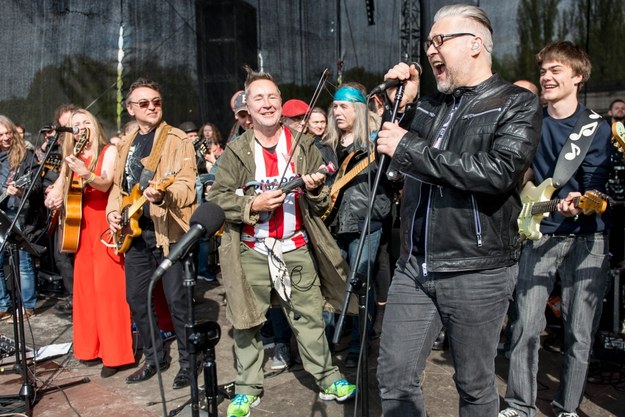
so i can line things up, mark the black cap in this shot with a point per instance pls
(187, 127)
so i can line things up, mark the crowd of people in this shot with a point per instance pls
(463, 164)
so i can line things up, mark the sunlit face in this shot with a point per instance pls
(449, 60)
(145, 104)
(557, 81)
(317, 124)
(82, 122)
(344, 114)
(264, 103)
(6, 138)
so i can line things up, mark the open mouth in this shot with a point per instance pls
(439, 68)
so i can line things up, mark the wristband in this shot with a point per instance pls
(91, 178)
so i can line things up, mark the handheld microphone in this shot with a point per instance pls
(205, 221)
(393, 82)
(298, 182)
(68, 129)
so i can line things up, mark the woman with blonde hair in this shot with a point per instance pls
(102, 327)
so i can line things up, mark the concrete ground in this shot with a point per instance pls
(287, 393)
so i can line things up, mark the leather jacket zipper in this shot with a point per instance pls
(472, 115)
(476, 220)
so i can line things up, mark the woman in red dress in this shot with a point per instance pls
(102, 324)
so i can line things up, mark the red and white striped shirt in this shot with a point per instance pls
(285, 223)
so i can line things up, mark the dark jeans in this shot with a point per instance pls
(142, 259)
(65, 264)
(472, 306)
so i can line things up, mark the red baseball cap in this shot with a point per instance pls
(294, 108)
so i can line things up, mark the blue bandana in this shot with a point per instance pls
(350, 94)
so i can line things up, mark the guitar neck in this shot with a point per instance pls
(357, 169)
(550, 206)
(136, 205)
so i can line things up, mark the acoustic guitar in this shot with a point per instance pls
(342, 179)
(70, 216)
(537, 205)
(132, 207)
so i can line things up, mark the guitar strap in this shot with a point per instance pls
(576, 147)
(149, 170)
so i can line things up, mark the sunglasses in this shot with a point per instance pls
(144, 104)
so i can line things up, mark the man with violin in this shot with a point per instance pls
(155, 171)
(268, 244)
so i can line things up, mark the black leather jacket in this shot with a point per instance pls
(474, 201)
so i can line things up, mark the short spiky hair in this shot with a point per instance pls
(143, 82)
(568, 53)
(255, 76)
(478, 17)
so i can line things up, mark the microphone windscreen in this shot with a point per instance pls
(210, 216)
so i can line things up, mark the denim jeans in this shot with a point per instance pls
(472, 305)
(348, 243)
(27, 282)
(582, 264)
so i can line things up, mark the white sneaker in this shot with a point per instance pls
(281, 357)
(564, 414)
(509, 412)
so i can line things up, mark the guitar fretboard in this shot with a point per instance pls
(357, 169)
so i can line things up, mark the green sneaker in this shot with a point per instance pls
(341, 390)
(241, 404)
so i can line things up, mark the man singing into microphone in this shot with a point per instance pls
(146, 156)
(267, 246)
(462, 157)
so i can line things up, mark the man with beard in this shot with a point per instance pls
(462, 156)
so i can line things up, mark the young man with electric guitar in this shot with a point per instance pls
(149, 208)
(573, 157)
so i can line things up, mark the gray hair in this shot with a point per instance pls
(473, 13)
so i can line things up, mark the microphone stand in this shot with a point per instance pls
(354, 283)
(202, 337)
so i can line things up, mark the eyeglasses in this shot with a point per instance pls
(144, 104)
(437, 40)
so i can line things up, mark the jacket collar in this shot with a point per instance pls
(477, 89)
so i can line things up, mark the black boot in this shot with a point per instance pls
(440, 343)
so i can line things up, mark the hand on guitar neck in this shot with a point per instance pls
(537, 205)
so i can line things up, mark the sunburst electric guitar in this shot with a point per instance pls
(131, 211)
(342, 179)
(71, 214)
(537, 205)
